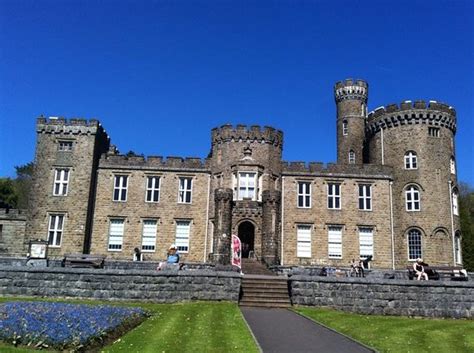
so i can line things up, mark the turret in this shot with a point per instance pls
(351, 100)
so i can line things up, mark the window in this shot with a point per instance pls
(335, 242)
(457, 248)
(303, 235)
(185, 190)
(433, 131)
(334, 196)
(304, 194)
(247, 185)
(366, 242)
(1, 231)
(55, 229)
(61, 179)
(352, 157)
(65, 146)
(414, 244)
(412, 198)
(453, 166)
(153, 189)
(149, 235)
(182, 235)
(455, 203)
(410, 160)
(116, 234)
(365, 197)
(120, 188)
(345, 128)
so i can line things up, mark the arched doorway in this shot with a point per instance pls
(247, 237)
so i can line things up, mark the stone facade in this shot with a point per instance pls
(391, 194)
(12, 231)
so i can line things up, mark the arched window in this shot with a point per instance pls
(453, 166)
(411, 160)
(352, 157)
(457, 248)
(414, 244)
(455, 202)
(412, 198)
(345, 128)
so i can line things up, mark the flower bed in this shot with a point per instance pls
(61, 325)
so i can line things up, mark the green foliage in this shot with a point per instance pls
(8, 196)
(399, 334)
(15, 192)
(466, 205)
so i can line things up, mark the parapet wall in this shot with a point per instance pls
(254, 133)
(333, 169)
(74, 126)
(408, 112)
(351, 89)
(12, 214)
(152, 162)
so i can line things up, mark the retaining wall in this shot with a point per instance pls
(386, 297)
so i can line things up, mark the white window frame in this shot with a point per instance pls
(183, 232)
(452, 165)
(245, 189)
(352, 157)
(116, 233)
(149, 230)
(457, 248)
(153, 189)
(411, 160)
(334, 195)
(345, 128)
(434, 131)
(455, 203)
(412, 199)
(335, 242)
(303, 240)
(61, 181)
(121, 190)
(304, 194)
(414, 246)
(65, 146)
(365, 197)
(56, 229)
(366, 242)
(185, 190)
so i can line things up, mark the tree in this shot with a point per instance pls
(466, 205)
(8, 196)
(23, 181)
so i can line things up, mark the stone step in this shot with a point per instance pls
(266, 304)
(267, 290)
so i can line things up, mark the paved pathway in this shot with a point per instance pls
(283, 331)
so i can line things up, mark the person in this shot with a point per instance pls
(172, 257)
(137, 255)
(420, 270)
(354, 269)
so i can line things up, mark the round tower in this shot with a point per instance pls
(351, 100)
(417, 140)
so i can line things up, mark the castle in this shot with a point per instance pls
(392, 193)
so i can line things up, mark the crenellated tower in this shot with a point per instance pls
(351, 100)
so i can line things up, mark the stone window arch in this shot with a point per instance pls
(412, 198)
(411, 160)
(414, 244)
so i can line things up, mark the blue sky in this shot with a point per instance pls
(159, 75)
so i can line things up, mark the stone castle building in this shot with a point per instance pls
(392, 193)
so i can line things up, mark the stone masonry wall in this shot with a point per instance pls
(386, 297)
(161, 287)
(12, 232)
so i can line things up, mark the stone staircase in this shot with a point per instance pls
(260, 287)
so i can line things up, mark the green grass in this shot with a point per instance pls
(399, 334)
(186, 327)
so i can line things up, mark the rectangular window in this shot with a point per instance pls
(334, 196)
(366, 242)
(303, 235)
(120, 188)
(61, 179)
(153, 189)
(182, 235)
(149, 235)
(116, 234)
(345, 128)
(65, 146)
(433, 131)
(335, 242)
(55, 229)
(185, 190)
(365, 197)
(304, 194)
(247, 185)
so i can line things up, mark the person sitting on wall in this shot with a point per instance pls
(355, 269)
(172, 258)
(137, 255)
(420, 270)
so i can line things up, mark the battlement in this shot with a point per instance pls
(152, 163)
(254, 133)
(408, 112)
(351, 89)
(333, 169)
(12, 213)
(75, 126)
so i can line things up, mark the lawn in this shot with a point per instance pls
(399, 334)
(186, 327)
